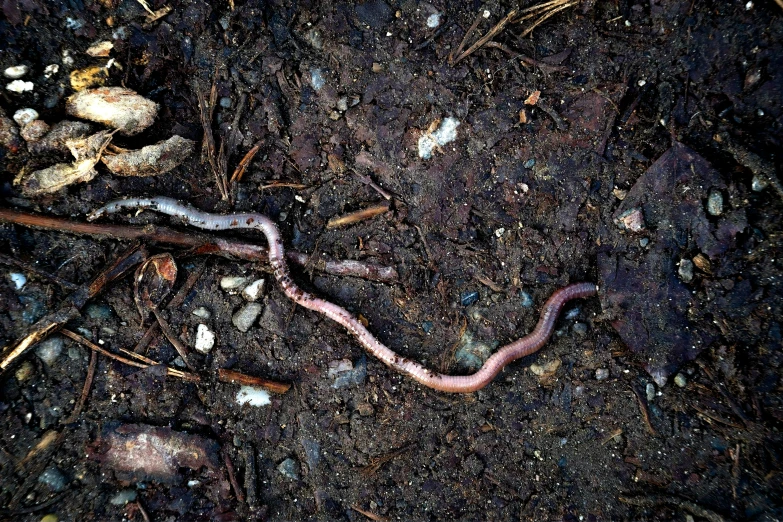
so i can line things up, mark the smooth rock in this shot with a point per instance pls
(123, 497)
(680, 380)
(686, 270)
(715, 203)
(15, 71)
(53, 478)
(205, 339)
(202, 313)
(232, 283)
(246, 316)
(254, 290)
(50, 349)
(601, 374)
(24, 116)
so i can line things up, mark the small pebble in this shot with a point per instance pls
(194, 483)
(680, 380)
(24, 372)
(202, 313)
(643, 242)
(98, 312)
(715, 203)
(580, 329)
(51, 517)
(426, 326)
(254, 290)
(433, 20)
(15, 72)
(18, 279)
(686, 270)
(50, 349)
(529, 164)
(232, 283)
(20, 86)
(253, 396)
(527, 300)
(632, 220)
(205, 339)
(289, 468)
(759, 183)
(342, 104)
(601, 374)
(24, 116)
(53, 478)
(123, 497)
(468, 298)
(225, 102)
(650, 391)
(546, 369)
(51, 70)
(246, 316)
(34, 131)
(345, 373)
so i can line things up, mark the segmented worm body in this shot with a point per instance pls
(448, 383)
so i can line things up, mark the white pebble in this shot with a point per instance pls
(205, 339)
(680, 380)
(487, 14)
(202, 313)
(15, 72)
(24, 116)
(601, 374)
(253, 290)
(18, 279)
(19, 86)
(253, 396)
(232, 283)
(433, 20)
(51, 70)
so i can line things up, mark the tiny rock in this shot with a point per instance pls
(115, 107)
(50, 349)
(715, 203)
(546, 369)
(15, 72)
(632, 220)
(202, 313)
(123, 497)
(232, 283)
(254, 290)
(246, 316)
(24, 116)
(650, 391)
(686, 270)
(253, 396)
(205, 339)
(18, 279)
(289, 468)
(601, 374)
(680, 380)
(100, 49)
(20, 86)
(24, 372)
(758, 183)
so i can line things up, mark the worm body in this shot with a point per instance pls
(448, 383)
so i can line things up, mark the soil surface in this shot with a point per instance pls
(644, 164)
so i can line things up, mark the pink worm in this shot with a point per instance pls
(448, 383)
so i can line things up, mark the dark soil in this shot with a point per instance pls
(644, 105)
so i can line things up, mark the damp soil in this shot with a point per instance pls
(658, 400)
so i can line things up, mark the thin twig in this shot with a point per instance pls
(232, 377)
(645, 409)
(244, 163)
(359, 215)
(232, 476)
(487, 37)
(85, 389)
(182, 350)
(465, 38)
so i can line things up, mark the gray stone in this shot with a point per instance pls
(123, 497)
(289, 468)
(246, 316)
(50, 349)
(686, 270)
(601, 374)
(715, 203)
(53, 478)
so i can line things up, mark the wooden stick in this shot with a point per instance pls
(232, 377)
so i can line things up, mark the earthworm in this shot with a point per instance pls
(448, 383)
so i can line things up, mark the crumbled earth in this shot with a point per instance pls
(658, 400)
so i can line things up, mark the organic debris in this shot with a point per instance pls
(150, 160)
(115, 107)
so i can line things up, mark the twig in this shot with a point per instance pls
(368, 514)
(645, 409)
(201, 243)
(487, 37)
(244, 163)
(654, 500)
(40, 273)
(169, 371)
(278, 184)
(376, 462)
(738, 411)
(359, 215)
(232, 377)
(465, 38)
(367, 180)
(232, 476)
(70, 307)
(85, 390)
(205, 112)
(544, 17)
(143, 512)
(182, 350)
